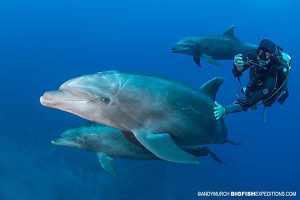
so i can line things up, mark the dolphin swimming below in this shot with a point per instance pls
(161, 114)
(109, 143)
(212, 48)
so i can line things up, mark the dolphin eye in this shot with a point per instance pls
(80, 140)
(105, 100)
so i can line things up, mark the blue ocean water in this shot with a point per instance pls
(45, 43)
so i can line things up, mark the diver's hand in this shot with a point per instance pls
(239, 62)
(219, 111)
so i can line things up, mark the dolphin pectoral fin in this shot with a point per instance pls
(163, 146)
(107, 163)
(210, 60)
(196, 60)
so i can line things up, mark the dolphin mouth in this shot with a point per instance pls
(180, 49)
(64, 142)
(54, 98)
(54, 142)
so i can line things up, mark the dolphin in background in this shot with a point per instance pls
(161, 114)
(109, 143)
(213, 48)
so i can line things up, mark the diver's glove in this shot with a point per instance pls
(239, 62)
(220, 111)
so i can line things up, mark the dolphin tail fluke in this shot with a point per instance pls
(210, 60)
(163, 146)
(215, 157)
(107, 164)
(196, 60)
(203, 151)
(233, 142)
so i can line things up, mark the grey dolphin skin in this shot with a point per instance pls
(212, 48)
(111, 143)
(161, 114)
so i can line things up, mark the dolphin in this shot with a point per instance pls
(109, 143)
(212, 48)
(161, 113)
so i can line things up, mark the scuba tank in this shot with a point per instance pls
(287, 59)
(281, 93)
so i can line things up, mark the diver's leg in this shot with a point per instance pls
(261, 92)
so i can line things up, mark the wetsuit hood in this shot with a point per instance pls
(267, 45)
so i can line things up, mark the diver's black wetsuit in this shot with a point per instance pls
(264, 81)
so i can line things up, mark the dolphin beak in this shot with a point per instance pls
(50, 98)
(53, 142)
(56, 98)
(60, 141)
(64, 142)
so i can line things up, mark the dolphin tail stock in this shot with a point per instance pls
(163, 146)
(107, 164)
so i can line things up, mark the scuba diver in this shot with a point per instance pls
(269, 69)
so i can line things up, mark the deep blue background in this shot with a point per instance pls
(44, 43)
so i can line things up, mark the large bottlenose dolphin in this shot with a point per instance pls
(160, 113)
(111, 143)
(212, 48)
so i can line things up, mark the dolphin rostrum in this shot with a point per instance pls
(161, 114)
(111, 143)
(212, 48)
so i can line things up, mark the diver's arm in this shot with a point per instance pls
(233, 108)
(236, 73)
(239, 66)
(220, 110)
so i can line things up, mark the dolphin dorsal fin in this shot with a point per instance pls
(229, 33)
(211, 87)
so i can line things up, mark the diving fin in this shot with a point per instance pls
(196, 60)
(163, 146)
(210, 59)
(107, 163)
